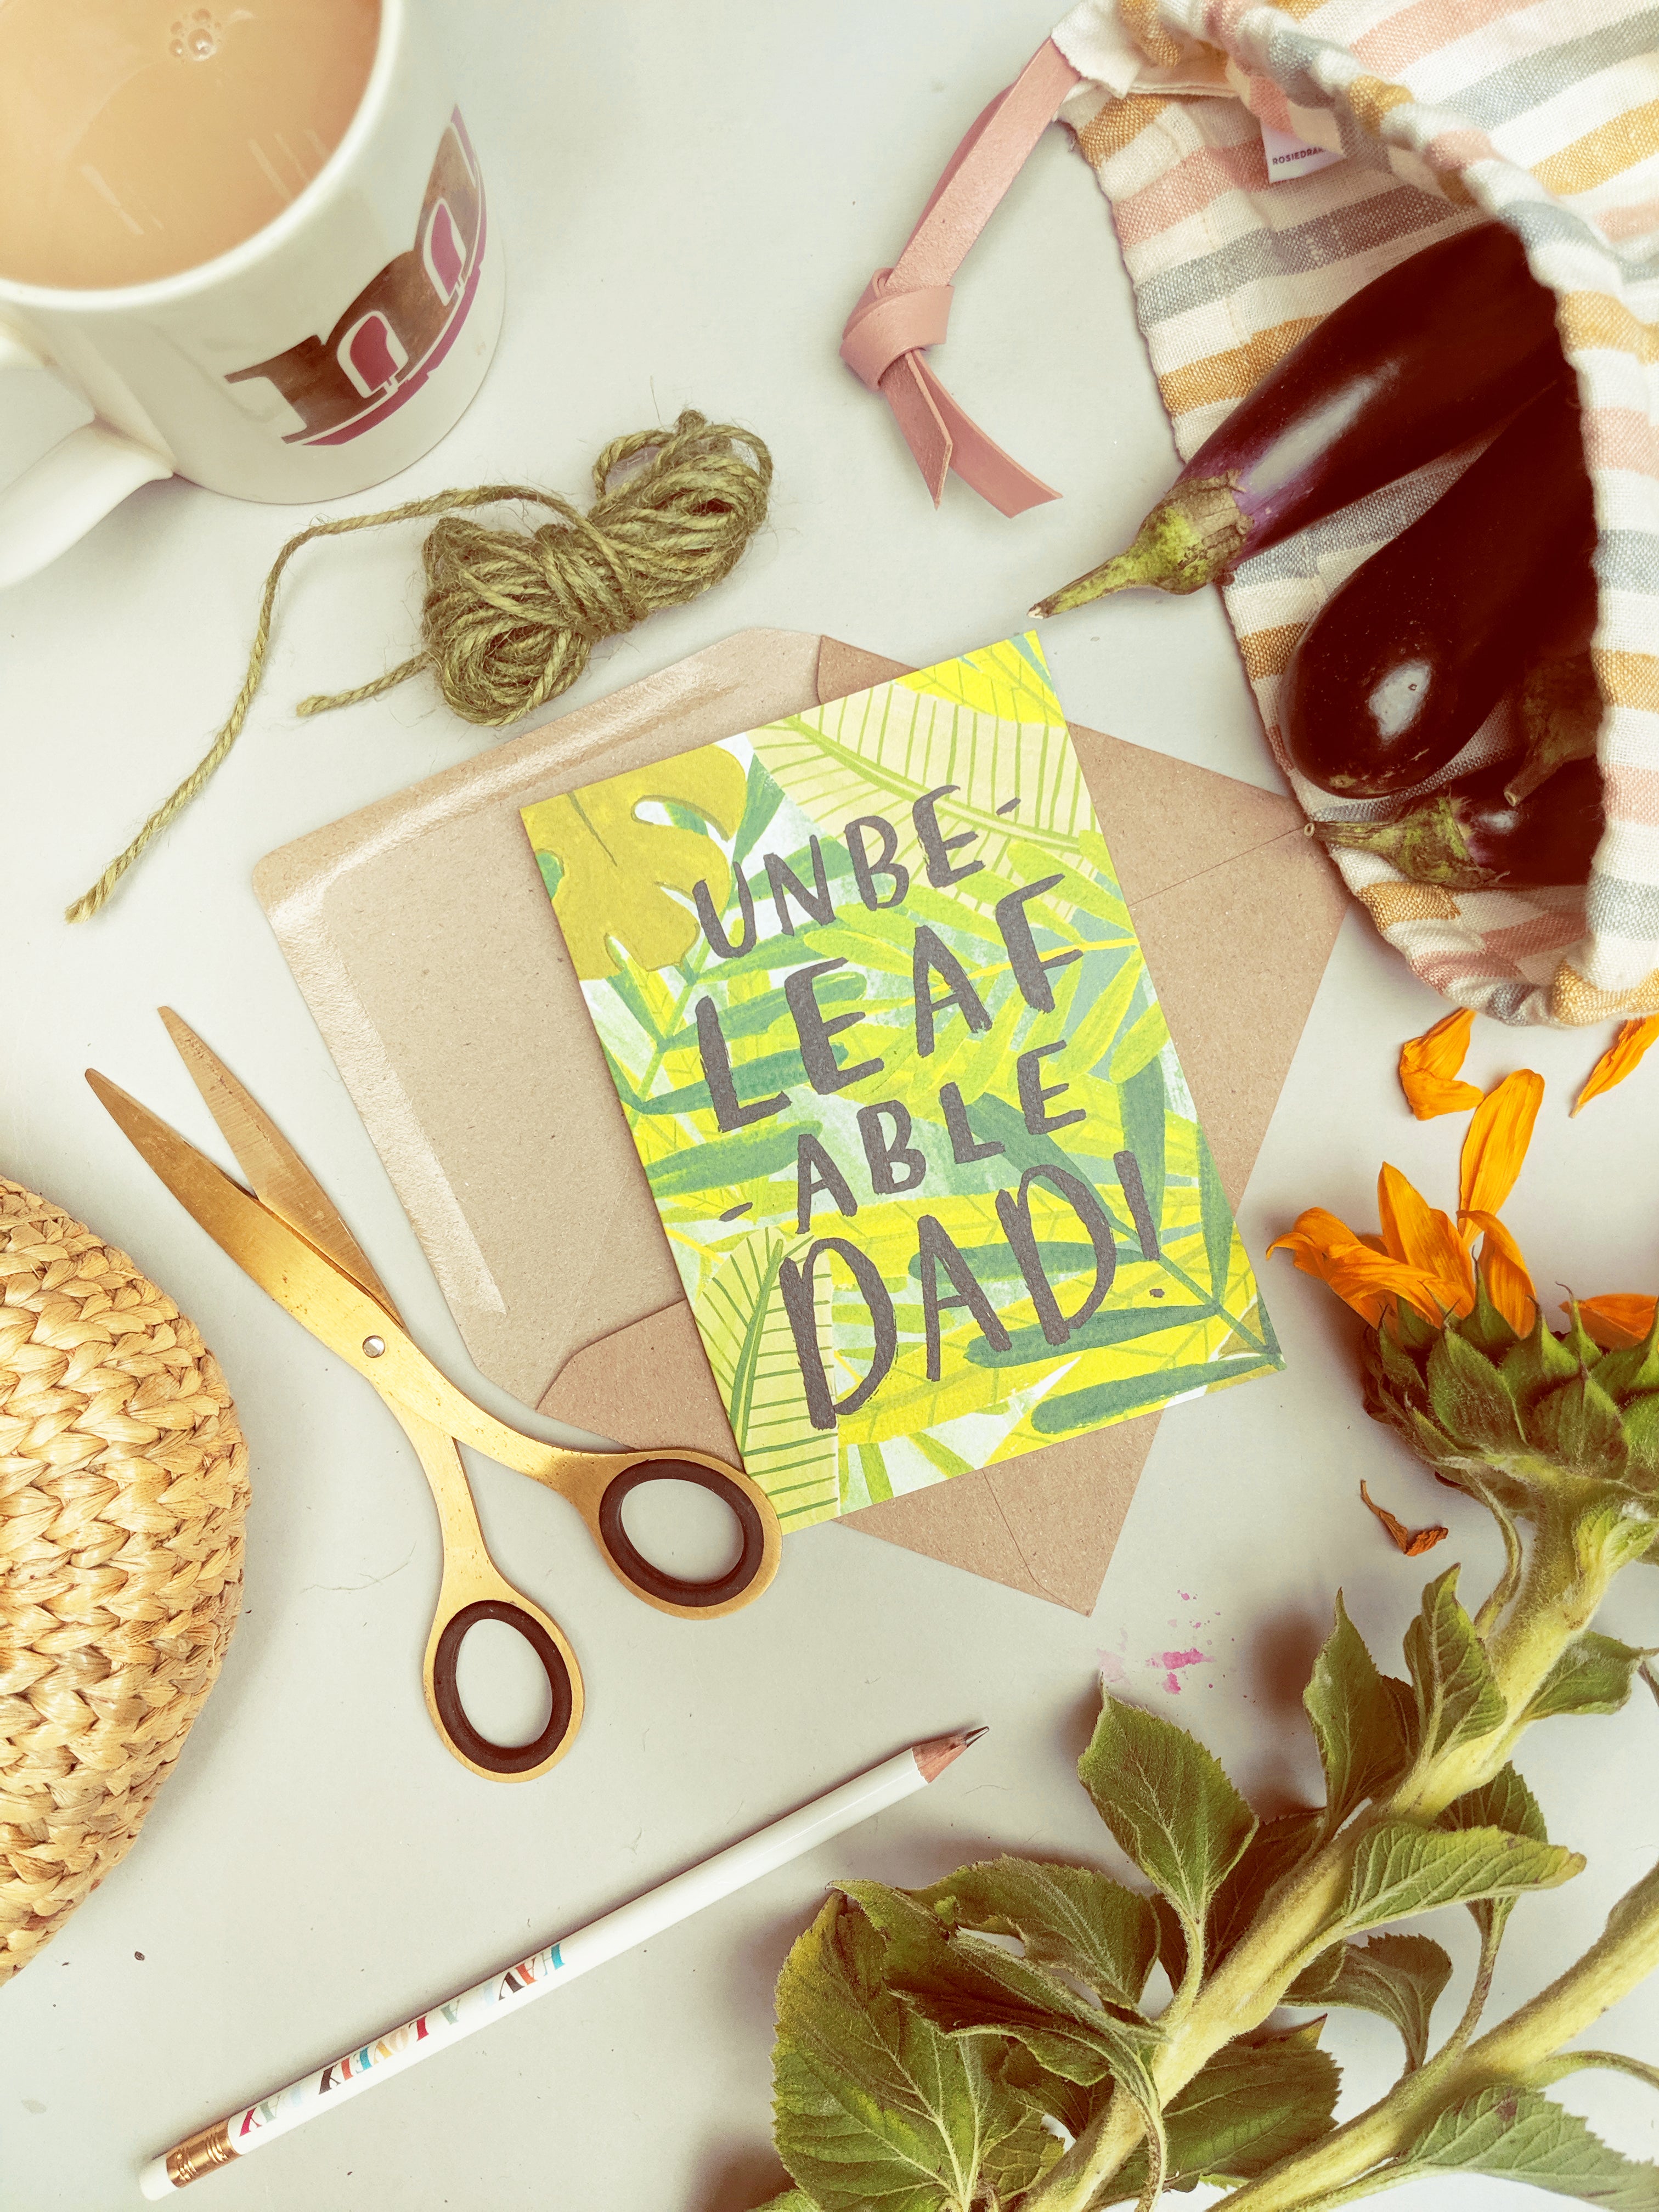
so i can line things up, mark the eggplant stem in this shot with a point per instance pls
(1192, 537)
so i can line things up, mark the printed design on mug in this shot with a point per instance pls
(403, 322)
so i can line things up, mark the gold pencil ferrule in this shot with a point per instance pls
(200, 2154)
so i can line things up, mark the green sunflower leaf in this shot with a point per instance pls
(1257, 2100)
(1519, 2136)
(1468, 1396)
(1399, 1869)
(1168, 1802)
(1072, 1919)
(1594, 1674)
(1458, 1699)
(1579, 1425)
(1537, 1364)
(1641, 1431)
(1397, 1977)
(1355, 1720)
(1504, 1802)
(875, 2109)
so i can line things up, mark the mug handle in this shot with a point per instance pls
(75, 484)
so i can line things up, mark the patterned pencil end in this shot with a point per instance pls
(199, 2154)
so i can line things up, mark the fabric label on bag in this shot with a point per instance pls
(1290, 157)
(886, 1042)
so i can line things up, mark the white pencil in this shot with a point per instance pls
(256, 2124)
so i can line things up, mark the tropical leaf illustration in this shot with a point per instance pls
(612, 865)
(1007, 680)
(1013, 782)
(952, 1103)
(752, 1349)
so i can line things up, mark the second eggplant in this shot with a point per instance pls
(1441, 348)
(1403, 665)
(1472, 837)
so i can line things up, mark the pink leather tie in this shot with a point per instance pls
(906, 308)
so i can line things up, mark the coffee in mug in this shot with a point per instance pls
(254, 234)
(141, 138)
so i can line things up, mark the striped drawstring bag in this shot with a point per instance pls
(1409, 119)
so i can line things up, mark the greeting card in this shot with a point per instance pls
(895, 1071)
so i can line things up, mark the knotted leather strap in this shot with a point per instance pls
(906, 308)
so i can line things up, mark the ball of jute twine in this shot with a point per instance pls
(123, 1487)
(508, 620)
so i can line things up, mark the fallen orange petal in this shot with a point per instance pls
(1509, 1283)
(1428, 1064)
(1497, 1142)
(1617, 1319)
(1413, 1542)
(1620, 1058)
(1423, 1238)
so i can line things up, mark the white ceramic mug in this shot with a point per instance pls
(323, 354)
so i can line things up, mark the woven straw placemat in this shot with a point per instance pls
(122, 1488)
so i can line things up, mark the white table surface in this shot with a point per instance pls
(691, 199)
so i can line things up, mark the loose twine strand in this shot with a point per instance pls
(508, 620)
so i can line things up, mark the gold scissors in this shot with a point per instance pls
(286, 1234)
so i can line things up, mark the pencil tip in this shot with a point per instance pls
(939, 1751)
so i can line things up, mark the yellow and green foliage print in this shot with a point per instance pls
(893, 1064)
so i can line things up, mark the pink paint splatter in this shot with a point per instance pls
(1112, 1668)
(1172, 1661)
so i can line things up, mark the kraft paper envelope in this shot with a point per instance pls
(420, 932)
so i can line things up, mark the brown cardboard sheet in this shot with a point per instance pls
(421, 935)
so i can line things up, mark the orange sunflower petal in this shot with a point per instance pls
(1509, 1283)
(1497, 1142)
(1365, 1281)
(1618, 1319)
(1423, 1238)
(1370, 1281)
(1413, 1542)
(1429, 1063)
(1620, 1058)
(1317, 1241)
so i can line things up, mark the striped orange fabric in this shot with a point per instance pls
(1611, 147)
(1543, 116)
(1229, 375)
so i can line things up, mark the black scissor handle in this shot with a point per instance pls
(505, 1760)
(759, 1545)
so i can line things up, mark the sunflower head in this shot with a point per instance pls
(1526, 1421)
(1460, 1362)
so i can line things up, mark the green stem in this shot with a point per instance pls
(1583, 2062)
(1519, 2049)
(1556, 1600)
(1514, 1568)
(1371, 2185)
(1240, 1994)
(1492, 1937)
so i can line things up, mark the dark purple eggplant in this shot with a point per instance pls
(1471, 838)
(1442, 347)
(1399, 669)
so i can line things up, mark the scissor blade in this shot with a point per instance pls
(280, 1178)
(338, 1311)
(263, 1245)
